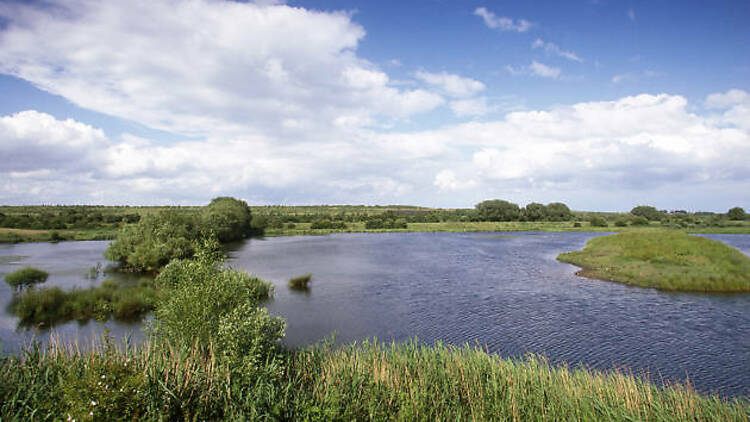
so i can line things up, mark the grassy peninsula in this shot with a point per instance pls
(666, 260)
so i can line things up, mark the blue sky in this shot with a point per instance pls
(600, 104)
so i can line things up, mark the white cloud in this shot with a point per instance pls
(446, 180)
(553, 48)
(452, 85)
(282, 109)
(644, 142)
(471, 107)
(544, 71)
(204, 66)
(501, 22)
(727, 99)
(535, 69)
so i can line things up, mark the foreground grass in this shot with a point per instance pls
(358, 382)
(667, 260)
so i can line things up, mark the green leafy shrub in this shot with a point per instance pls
(228, 218)
(639, 221)
(26, 277)
(200, 295)
(620, 222)
(155, 240)
(736, 213)
(597, 221)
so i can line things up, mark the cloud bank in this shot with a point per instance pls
(280, 108)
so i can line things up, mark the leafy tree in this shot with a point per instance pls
(228, 218)
(557, 211)
(736, 213)
(647, 212)
(155, 240)
(497, 210)
(534, 212)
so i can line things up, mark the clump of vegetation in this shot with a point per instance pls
(206, 304)
(155, 240)
(301, 282)
(639, 221)
(736, 213)
(161, 237)
(597, 221)
(328, 224)
(26, 277)
(48, 306)
(667, 260)
(648, 212)
(228, 218)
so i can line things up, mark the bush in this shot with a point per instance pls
(557, 211)
(155, 240)
(534, 212)
(228, 218)
(597, 221)
(621, 222)
(328, 224)
(736, 213)
(639, 221)
(204, 303)
(647, 212)
(497, 210)
(26, 277)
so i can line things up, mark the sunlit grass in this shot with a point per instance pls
(667, 260)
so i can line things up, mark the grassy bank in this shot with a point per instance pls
(666, 260)
(357, 382)
(8, 235)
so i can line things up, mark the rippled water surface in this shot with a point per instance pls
(503, 291)
(508, 294)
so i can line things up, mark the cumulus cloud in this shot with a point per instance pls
(451, 84)
(204, 66)
(727, 99)
(642, 142)
(446, 180)
(501, 22)
(552, 48)
(281, 109)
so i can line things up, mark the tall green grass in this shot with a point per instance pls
(664, 259)
(365, 381)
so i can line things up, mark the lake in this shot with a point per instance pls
(503, 291)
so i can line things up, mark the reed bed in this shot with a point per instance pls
(367, 381)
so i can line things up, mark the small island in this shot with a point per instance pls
(665, 260)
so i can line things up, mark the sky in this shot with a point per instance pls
(600, 104)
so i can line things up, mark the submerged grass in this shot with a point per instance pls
(301, 282)
(667, 260)
(365, 381)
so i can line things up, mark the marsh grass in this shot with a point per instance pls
(664, 259)
(26, 277)
(367, 381)
(301, 282)
(49, 306)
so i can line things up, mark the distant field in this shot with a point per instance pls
(73, 222)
